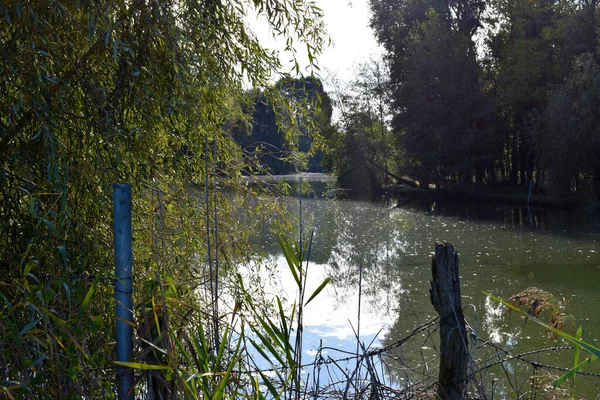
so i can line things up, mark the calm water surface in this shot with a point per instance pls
(502, 250)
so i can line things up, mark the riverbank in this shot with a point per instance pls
(517, 196)
(506, 196)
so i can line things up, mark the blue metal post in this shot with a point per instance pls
(300, 195)
(123, 287)
(529, 195)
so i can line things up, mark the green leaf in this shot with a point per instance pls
(50, 79)
(576, 355)
(576, 366)
(318, 290)
(573, 371)
(222, 346)
(201, 347)
(267, 326)
(269, 385)
(88, 296)
(38, 361)
(63, 253)
(269, 346)
(282, 315)
(50, 225)
(171, 290)
(142, 366)
(180, 347)
(221, 388)
(30, 326)
(28, 267)
(290, 257)
(260, 350)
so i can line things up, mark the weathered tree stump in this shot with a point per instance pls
(445, 297)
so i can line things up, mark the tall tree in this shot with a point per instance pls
(288, 121)
(488, 111)
(527, 53)
(372, 96)
(569, 140)
(264, 139)
(442, 119)
(361, 147)
(311, 109)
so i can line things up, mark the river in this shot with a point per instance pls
(503, 250)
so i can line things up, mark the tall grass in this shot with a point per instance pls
(56, 342)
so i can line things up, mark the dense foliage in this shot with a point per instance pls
(285, 136)
(362, 152)
(495, 91)
(94, 93)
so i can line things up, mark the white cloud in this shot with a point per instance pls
(333, 313)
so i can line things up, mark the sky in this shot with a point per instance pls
(332, 315)
(347, 22)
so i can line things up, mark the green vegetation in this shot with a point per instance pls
(470, 95)
(175, 98)
(494, 92)
(104, 92)
(285, 136)
(362, 151)
(540, 301)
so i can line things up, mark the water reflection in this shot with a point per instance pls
(540, 219)
(502, 251)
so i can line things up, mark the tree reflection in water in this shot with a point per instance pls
(500, 253)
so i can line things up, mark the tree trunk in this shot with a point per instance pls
(445, 297)
(400, 179)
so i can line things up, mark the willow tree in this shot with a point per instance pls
(94, 93)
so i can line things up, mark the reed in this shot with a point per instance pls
(575, 340)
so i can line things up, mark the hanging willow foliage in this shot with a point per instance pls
(94, 93)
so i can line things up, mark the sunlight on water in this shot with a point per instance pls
(502, 251)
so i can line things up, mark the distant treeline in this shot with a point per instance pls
(495, 91)
(280, 135)
(470, 93)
